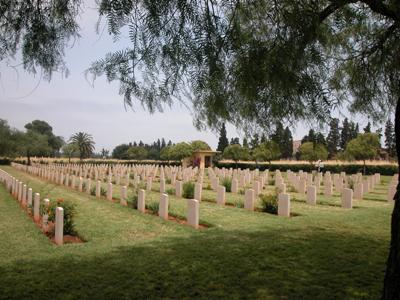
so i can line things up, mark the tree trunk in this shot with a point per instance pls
(391, 289)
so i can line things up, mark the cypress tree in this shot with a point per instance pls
(223, 140)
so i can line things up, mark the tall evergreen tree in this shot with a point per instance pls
(333, 138)
(163, 144)
(245, 143)
(367, 129)
(235, 141)
(345, 134)
(223, 139)
(390, 142)
(254, 141)
(286, 146)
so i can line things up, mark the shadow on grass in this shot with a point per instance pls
(278, 264)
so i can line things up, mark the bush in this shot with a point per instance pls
(171, 191)
(153, 207)
(388, 170)
(227, 183)
(351, 183)
(103, 192)
(69, 213)
(238, 204)
(134, 199)
(168, 181)
(93, 191)
(269, 203)
(241, 192)
(208, 187)
(188, 190)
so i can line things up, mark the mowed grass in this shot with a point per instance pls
(325, 252)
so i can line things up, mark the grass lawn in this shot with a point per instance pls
(325, 252)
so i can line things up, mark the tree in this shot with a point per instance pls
(390, 141)
(333, 138)
(104, 153)
(266, 151)
(364, 147)
(235, 152)
(345, 134)
(138, 153)
(290, 61)
(180, 151)
(234, 141)
(43, 128)
(165, 153)
(199, 145)
(32, 143)
(84, 142)
(313, 152)
(70, 150)
(367, 129)
(223, 139)
(286, 146)
(245, 143)
(310, 137)
(254, 141)
(7, 141)
(119, 151)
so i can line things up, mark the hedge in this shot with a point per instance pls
(349, 169)
(5, 161)
(100, 162)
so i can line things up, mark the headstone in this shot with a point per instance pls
(109, 191)
(197, 191)
(123, 195)
(358, 191)
(302, 186)
(312, 195)
(235, 186)
(162, 186)
(98, 188)
(284, 205)
(163, 207)
(141, 206)
(249, 199)
(29, 197)
(59, 226)
(192, 214)
(24, 196)
(80, 186)
(149, 184)
(221, 195)
(36, 206)
(88, 186)
(347, 198)
(328, 188)
(178, 188)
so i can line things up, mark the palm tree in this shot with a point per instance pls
(84, 143)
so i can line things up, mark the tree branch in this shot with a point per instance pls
(381, 8)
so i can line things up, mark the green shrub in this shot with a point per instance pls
(238, 204)
(153, 207)
(168, 181)
(227, 183)
(389, 170)
(351, 183)
(103, 192)
(271, 182)
(208, 187)
(171, 191)
(134, 199)
(188, 190)
(69, 213)
(269, 203)
(241, 192)
(93, 191)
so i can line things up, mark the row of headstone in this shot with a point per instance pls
(23, 194)
(192, 211)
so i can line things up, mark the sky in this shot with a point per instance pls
(72, 104)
